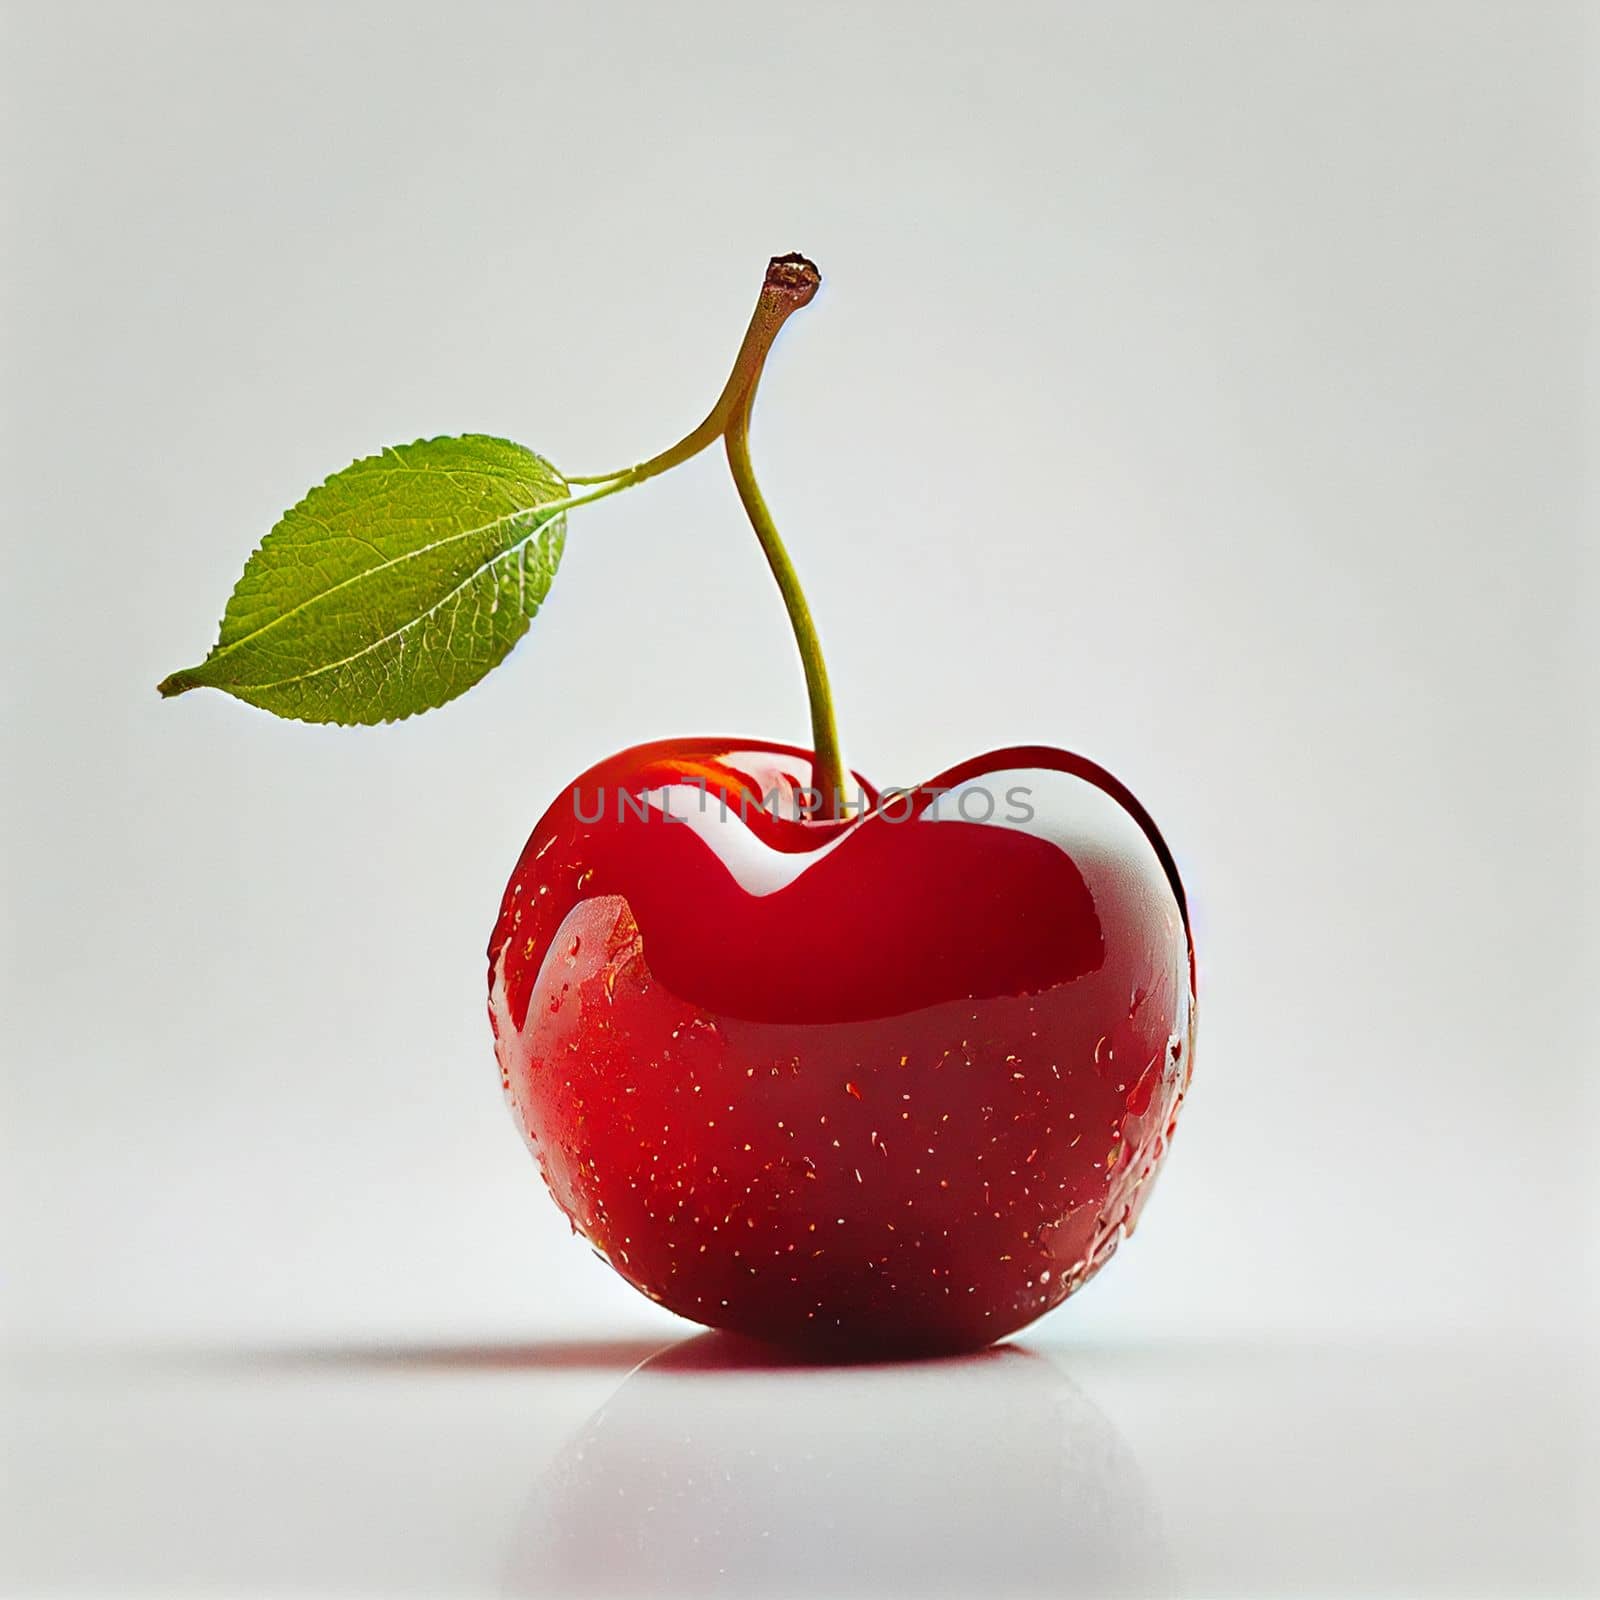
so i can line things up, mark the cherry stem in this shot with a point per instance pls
(828, 777)
(791, 283)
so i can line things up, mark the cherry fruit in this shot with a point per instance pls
(899, 1080)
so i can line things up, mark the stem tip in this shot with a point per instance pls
(793, 277)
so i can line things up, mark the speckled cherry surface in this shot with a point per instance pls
(895, 1082)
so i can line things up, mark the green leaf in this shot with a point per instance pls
(394, 586)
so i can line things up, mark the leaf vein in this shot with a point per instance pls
(404, 630)
(388, 565)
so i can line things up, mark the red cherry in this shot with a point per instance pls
(894, 1082)
(894, 1075)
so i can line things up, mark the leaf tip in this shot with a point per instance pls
(176, 683)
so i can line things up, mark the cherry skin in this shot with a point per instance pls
(897, 1082)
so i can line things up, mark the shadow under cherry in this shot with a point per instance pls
(724, 1467)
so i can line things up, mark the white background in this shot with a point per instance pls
(1199, 388)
